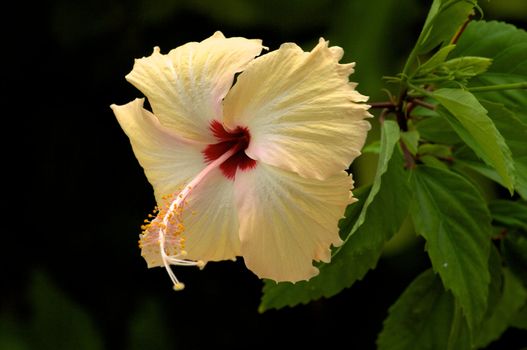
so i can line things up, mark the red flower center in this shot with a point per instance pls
(240, 138)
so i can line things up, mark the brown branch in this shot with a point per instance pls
(409, 161)
(386, 104)
(401, 119)
(383, 115)
(461, 30)
(424, 104)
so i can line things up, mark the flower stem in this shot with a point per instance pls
(513, 86)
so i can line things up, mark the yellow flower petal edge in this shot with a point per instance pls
(287, 221)
(186, 86)
(302, 112)
(169, 161)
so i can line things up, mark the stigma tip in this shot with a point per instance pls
(179, 286)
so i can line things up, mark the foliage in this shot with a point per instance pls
(444, 154)
(57, 322)
(460, 113)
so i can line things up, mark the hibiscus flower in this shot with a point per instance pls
(249, 165)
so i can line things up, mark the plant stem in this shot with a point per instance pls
(430, 80)
(424, 104)
(522, 85)
(422, 91)
(461, 30)
(383, 115)
(409, 162)
(385, 104)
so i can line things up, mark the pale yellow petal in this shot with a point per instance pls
(186, 87)
(287, 221)
(169, 161)
(301, 111)
(210, 219)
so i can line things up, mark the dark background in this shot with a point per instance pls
(74, 196)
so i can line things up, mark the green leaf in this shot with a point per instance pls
(58, 323)
(501, 42)
(459, 69)
(519, 320)
(507, 47)
(374, 147)
(460, 337)
(464, 157)
(433, 162)
(451, 215)
(512, 299)
(434, 61)
(411, 139)
(496, 280)
(514, 250)
(509, 213)
(437, 129)
(390, 134)
(514, 132)
(13, 333)
(368, 224)
(470, 120)
(443, 21)
(421, 111)
(150, 319)
(440, 151)
(466, 67)
(424, 317)
(429, 154)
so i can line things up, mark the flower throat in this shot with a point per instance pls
(227, 140)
